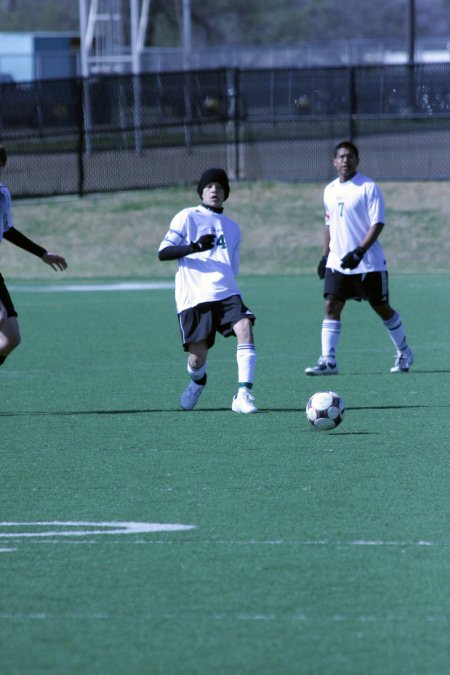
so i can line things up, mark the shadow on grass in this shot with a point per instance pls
(146, 411)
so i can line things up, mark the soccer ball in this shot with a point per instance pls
(325, 410)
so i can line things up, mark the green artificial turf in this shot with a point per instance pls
(322, 553)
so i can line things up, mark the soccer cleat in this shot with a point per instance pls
(403, 361)
(323, 367)
(244, 402)
(190, 396)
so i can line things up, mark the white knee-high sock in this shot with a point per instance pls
(197, 374)
(331, 332)
(396, 332)
(246, 360)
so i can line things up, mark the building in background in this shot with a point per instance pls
(25, 57)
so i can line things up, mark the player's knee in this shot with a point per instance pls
(384, 311)
(333, 309)
(197, 361)
(12, 344)
(7, 348)
(12, 341)
(198, 353)
(244, 330)
(15, 341)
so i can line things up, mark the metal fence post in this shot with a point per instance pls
(352, 103)
(80, 137)
(234, 161)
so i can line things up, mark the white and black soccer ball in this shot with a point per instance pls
(325, 410)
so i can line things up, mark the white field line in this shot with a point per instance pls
(54, 537)
(299, 617)
(52, 531)
(47, 539)
(78, 528)
(89, 288)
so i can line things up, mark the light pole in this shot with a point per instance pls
(187, 33)
(411, 28)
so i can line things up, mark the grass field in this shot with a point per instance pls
(310, 553)
(118, 235)
(137, 538)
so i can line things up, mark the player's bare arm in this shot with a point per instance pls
(372, 235)
(326, 241)
(325, 251)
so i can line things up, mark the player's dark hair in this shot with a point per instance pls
(348, 145)
(3, 156)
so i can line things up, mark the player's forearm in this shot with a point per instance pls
(204, 243)
(175, 252)
(371, 236)
(18, 239)
(326, 241)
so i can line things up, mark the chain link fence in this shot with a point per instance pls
(130, 132)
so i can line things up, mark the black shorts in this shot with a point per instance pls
(205, 320)
(5, 299)
(372, 286)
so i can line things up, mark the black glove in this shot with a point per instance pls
(352, 259)
(321, 267)
(205, 243)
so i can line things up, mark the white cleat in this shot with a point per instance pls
(244, 402)
(403, 361)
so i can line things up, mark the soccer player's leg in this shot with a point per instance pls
(378, 294)
(198, 336)
(196, 367)
(404, 357)
(9, 325)
(236, 319)
(334, 293)
(244, 401)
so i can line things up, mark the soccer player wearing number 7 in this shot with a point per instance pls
(206, 244)
(353, 264)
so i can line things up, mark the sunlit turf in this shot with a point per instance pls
(312, 552)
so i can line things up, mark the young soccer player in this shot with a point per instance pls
(206, 244)
(353, 264)
(9, 325)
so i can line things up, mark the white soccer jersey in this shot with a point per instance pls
(209, 275)
(351, 208)
(6, 221)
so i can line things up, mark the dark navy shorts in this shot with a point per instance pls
(205, 320)
(371, 286)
